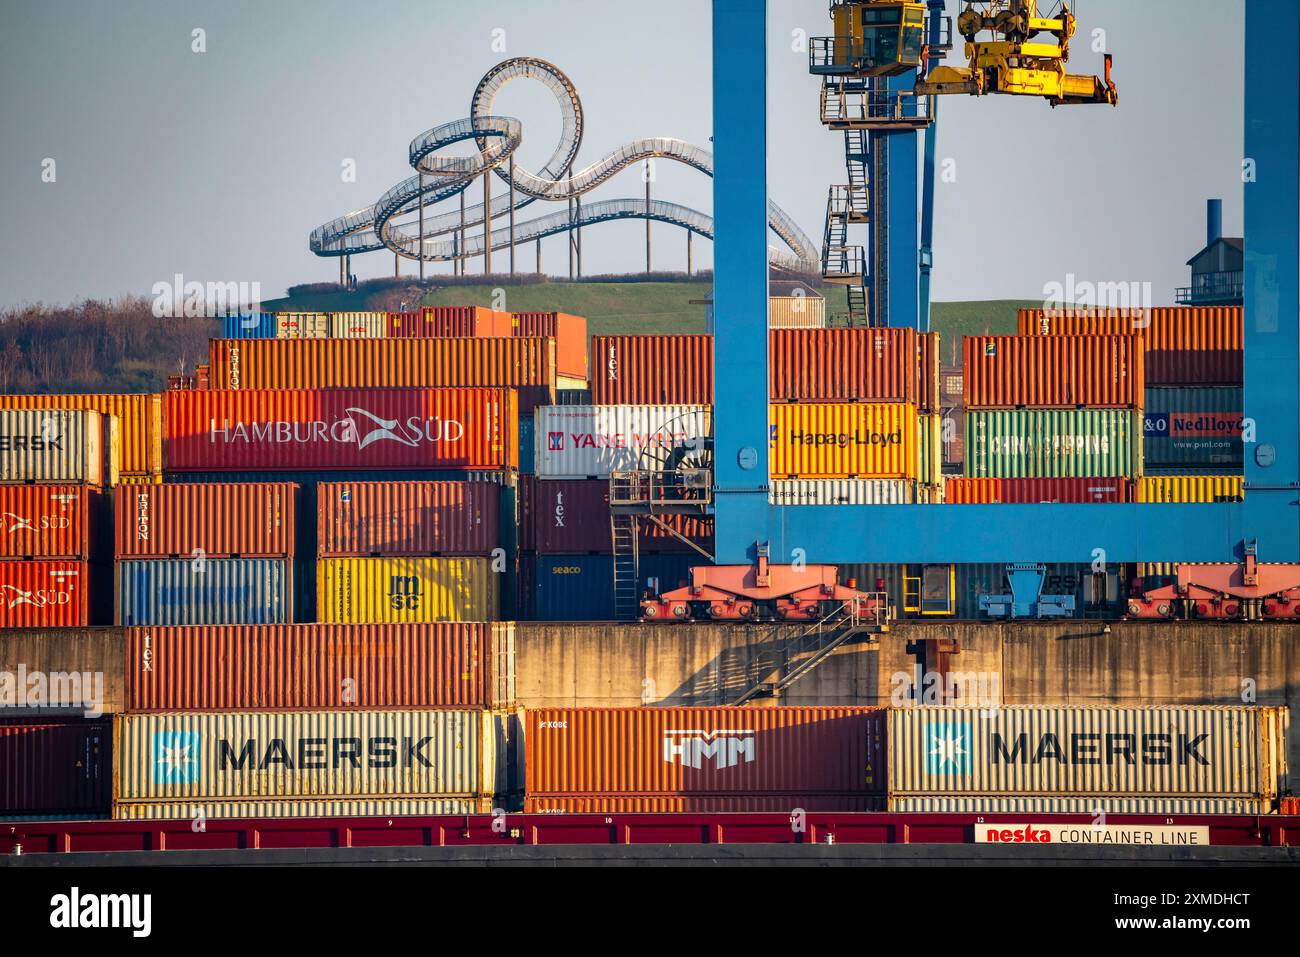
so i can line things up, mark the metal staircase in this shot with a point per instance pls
(627, 597)
(810, 647)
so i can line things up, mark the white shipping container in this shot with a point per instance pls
(358, 325)
(311, 807)
(590, 441)
(1161, 806)
(57, 445)
(1019, 751)
(302, 325)
(842, 492)
(304, 758)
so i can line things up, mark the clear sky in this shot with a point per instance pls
(217, 165)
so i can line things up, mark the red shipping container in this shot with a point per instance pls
(257, 667)
(46, 521)
(848, 365)
(525, 364)
(44, 594)
(652, 370)
(1053, 372)
(571, 516)
(1185, 345)
(363, 519)
(222, 430)
(1032, 491)
(55, 766)
(444, 321)
(218, 520)
(704, 759)
(569, 333)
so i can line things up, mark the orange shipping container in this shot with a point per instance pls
(139, 418)
(450, 321)
(46, 521)
(265, 667)
(569, 333)
(846, 365)
(524, 364)
(652, 370)
(1185, 345)
(704, 759)
(1052, 372)
(44, 594)
(216, 520)
(365, 519)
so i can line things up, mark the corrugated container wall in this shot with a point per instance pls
(1190, 488)
(304, 763)
(47, 521)
(52, 445)
(843, 365)
(285, 429)
(843, 492)
(203, 591)
(1045, 443)
(562, 516)
(139, 422)
(845, 440)
(229, 520)
(395, 590)
(704, 759)
(569, 333)
(368, 519)
(54, 767)
(524, 364)
(1185, 345)
(1029, 751)
(274, 667)
(796, 312)
(89, 659)
(1052, 371)
(577, 441)
(448, 321)
(1193, 429)
(652, 370)
(1030, 491)
(44, 594)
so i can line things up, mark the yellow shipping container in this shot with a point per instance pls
(402, 590)
(1189, 488)
(139, 422)
(844, 440)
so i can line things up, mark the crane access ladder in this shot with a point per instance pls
(650, 496)
(808, 648)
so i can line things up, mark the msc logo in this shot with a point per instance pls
(947, 747)
(555, 441)
(175, 757)
(693, 748)
(404, 592)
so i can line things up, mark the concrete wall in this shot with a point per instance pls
(1069, 663)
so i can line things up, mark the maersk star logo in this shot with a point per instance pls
(947, 748)
(175, 757)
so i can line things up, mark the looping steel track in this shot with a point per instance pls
(497, 137)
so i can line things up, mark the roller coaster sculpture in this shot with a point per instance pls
(440, 177)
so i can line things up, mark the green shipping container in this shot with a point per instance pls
(1053, 443)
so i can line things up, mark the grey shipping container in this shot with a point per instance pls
(199, 591)
(76, 446)
(1229, 753)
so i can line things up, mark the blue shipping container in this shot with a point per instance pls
(251, 325)
(1194, 429)
(196, 591)
(527, 454)
(581, 587)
